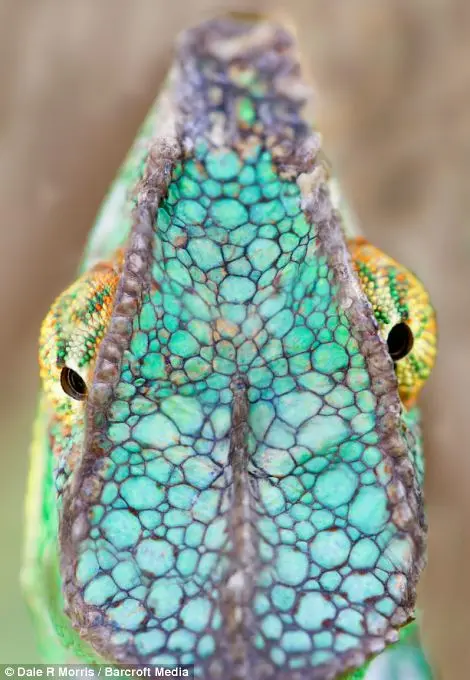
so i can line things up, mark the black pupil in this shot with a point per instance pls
(72, 383)
(400, 341)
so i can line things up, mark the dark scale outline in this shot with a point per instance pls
(294, 150)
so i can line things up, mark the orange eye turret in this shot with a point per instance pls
(404, 313)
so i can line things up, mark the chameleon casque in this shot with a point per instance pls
(227, 463)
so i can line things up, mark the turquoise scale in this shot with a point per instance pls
(238, 287)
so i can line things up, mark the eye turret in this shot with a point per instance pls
(406, 318)
(72, 333)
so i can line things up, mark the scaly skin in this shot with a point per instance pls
(234, 481)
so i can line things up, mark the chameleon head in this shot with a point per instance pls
(245, 490)
(113, 567)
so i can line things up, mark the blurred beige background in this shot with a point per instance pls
(393, 84)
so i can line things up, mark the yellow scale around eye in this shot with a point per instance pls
(71, 334)
(398, 297)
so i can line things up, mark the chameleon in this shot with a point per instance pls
(227, 464)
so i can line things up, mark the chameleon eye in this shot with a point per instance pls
(400, 341)
(73, 384)
(404, 314)
(72, 332)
